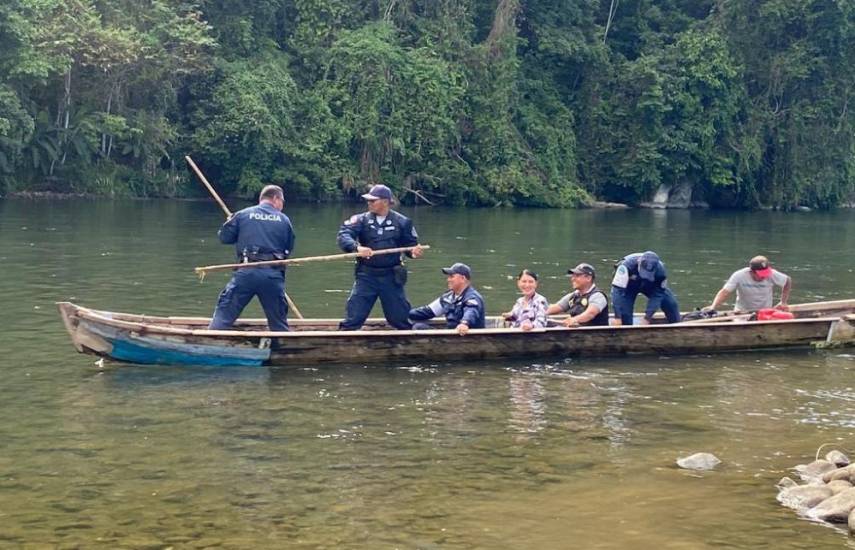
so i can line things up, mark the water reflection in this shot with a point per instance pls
(498, 455)
(527, 405)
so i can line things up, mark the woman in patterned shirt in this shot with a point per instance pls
(530, 310)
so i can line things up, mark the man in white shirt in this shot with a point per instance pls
(755, 287)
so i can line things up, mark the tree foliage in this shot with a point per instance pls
(489, 102)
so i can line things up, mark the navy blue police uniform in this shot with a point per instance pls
(632, 278)
(381, 276)
(468, 307)
(259, 233)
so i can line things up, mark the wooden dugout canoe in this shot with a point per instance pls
(145, 339)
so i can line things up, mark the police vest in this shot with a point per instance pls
(366, 230)
(579, 303)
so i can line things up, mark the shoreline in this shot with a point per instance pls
(593, 205)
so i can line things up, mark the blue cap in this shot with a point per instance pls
(647, 265)
(458, 269)
(378, 192)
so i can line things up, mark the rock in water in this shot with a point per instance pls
(835, 509)
(804, 497)
(840, 473)
(815, 469)
(852, 523)
(838, 485)
(837, 458)
(786, 483)
(699, 461)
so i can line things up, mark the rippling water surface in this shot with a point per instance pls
(543, 453)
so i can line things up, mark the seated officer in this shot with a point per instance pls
(380, 276)
(260, 233)
(642, 273)
(587, 305)
(462, 305)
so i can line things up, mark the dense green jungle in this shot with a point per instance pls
(555, 103)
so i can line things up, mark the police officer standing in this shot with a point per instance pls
(642, 273)
(383, 275)
(260, 233)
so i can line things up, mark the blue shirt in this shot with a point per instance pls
(365, 230)
(260, 232)
(628, 269)
(469, 307)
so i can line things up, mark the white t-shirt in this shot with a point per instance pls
(752, 295)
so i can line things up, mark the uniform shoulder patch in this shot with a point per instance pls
(621, 278)
(352, 220)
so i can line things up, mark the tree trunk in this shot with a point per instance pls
(612, 11)
(66, 118)
(104, 149)
(504, 24)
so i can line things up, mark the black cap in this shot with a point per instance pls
(458, 269)
(378, 192)
(583, 269)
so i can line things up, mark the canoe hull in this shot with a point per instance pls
(184, 341)
(583, 342)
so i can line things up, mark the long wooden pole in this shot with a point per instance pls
(204, 180)
(228, 213)
(307, 259)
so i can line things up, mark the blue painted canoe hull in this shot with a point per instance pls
(128, 346)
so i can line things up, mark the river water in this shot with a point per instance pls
(543, 453)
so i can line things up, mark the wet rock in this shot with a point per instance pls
(835, 509)
(803, 209)
(785, 483)
(837, 458)
(839, 485)
(804, 497)
(839, 473)
(814, 470)
(699, 461)
(851, 522)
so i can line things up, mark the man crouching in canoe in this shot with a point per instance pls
(462, 305)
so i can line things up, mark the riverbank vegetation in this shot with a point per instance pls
(526, 102)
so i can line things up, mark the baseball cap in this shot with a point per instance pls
(583, 269)
(760, 266)
(458, 269)
(378, 192)
(647, 265)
